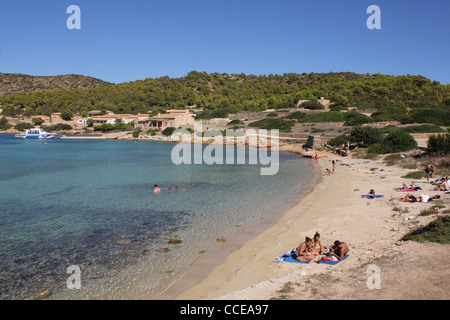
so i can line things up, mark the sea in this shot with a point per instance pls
(79, 218)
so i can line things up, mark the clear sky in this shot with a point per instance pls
(121, 41)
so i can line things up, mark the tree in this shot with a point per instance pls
(37, 121)
(66, 115)
(439, 144)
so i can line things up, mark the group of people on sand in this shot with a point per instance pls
(420, 198)
(442, 183)
(310, 248)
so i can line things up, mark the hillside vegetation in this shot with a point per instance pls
(13, 83)
(406, 99)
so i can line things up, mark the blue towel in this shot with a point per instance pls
(333, 262)
(375, 196)
(291, 258)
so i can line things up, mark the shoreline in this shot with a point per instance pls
(335, 209)
(208, 262)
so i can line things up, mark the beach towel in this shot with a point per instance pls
(371, 172)
(375, 196)
(289, 257)
(333, 262)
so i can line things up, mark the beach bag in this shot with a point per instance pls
(371, 194)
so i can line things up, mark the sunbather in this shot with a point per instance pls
(316, 241)
(413, 186)
(426, 198)
(422, 198)
(407, 198)
(305, 251)
(339, 249)
(443, 186)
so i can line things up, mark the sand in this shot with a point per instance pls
(335, 209)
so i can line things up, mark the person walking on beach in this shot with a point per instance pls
(316, 158)
(429, 170)
(333, 163)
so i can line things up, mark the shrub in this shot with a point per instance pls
(118, 126)
(235, 122)
(298, 115)
(440, 117)
(339, 140)
(4, 124)
(22, 126)
(338, 108)
(395, 141)
(391, 113)
(270, 124)
(58, 127)
(168, 131)
(436, 231)
(414, 175)
(439, 144)
(312, 105)
(365, 135)
(66, 115)
(356, 119)
(152, 132)
(37, 121)
(425, 128)
(272, 115)
(392, 159)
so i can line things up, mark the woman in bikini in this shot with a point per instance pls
(305, 251)
(315, 242)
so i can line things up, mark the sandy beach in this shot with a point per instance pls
(335, 209)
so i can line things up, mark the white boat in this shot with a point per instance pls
(36, 133)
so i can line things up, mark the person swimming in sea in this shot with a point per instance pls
(156, 190)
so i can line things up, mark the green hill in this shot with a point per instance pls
(403, 98)
(13, 83)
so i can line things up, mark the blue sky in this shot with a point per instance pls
(121, 41)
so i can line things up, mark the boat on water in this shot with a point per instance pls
(36, 133)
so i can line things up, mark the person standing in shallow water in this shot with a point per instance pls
(156, 190)
(316, 158)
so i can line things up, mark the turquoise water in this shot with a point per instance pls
(90, 203)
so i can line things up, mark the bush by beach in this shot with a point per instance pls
(270, 123)
(436, 231)
(396, 141)
(4, 124)
(439, 144)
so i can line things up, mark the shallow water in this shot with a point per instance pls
(90, 203)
